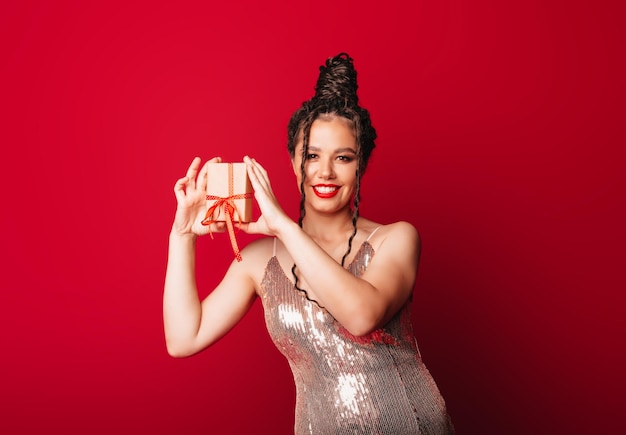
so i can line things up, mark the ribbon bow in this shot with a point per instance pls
(227, 205)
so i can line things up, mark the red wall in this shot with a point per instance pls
(500, 139)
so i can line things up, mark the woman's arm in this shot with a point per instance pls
(191, 325)
(362, 304)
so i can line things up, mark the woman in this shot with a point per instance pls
(341, 315)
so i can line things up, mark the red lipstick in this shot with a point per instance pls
(325, 190)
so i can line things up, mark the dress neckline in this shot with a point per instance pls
(359, 252)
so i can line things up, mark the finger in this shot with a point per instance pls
(260, 167)
(193, 171)
(252, 162)
(257, 175)
(204, 176)
(179, 188)
(215, 227)
(250, 168)
(261, 170)
(246, 227)
(253, 228)
(180, 183)
(254, 178)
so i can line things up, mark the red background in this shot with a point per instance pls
(500, 138)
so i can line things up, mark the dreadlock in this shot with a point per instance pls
(335, 96)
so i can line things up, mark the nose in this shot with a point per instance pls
(326, 170)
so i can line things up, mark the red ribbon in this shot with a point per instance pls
(227, 205)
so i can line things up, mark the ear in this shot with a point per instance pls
(293, 166)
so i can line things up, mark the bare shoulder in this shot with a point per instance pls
(401, 230)
(254, 258)
(396, 238)
(393, 267)
(261, 246)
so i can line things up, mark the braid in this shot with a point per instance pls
(306, 129)
(355, 209)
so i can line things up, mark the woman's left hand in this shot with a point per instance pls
(272, 215)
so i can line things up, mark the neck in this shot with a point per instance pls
(328, 227)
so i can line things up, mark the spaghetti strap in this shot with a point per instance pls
(372, 233)
(274, 248)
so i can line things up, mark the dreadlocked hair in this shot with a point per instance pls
(335, 96)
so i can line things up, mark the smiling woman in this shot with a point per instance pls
(343, 320)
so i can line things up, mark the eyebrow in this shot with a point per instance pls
(337, 151)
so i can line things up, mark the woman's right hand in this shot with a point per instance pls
(191, 207)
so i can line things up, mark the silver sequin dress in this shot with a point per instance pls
(375, 384)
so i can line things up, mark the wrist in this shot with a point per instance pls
(287, 229)
(178, 236)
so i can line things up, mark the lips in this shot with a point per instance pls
(325, 190)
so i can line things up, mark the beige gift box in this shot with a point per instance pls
(228, 186)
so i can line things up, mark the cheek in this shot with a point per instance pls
(309, 170)
(348, 173)
(297, 170)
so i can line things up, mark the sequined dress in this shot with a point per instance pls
(375, 384)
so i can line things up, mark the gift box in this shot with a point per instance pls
(228, 185)
(229, 198)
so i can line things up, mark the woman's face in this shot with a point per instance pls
(330, 166)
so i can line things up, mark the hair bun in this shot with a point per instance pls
(336, 85)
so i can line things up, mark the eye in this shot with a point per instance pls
(311, 156)
(346, 159)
